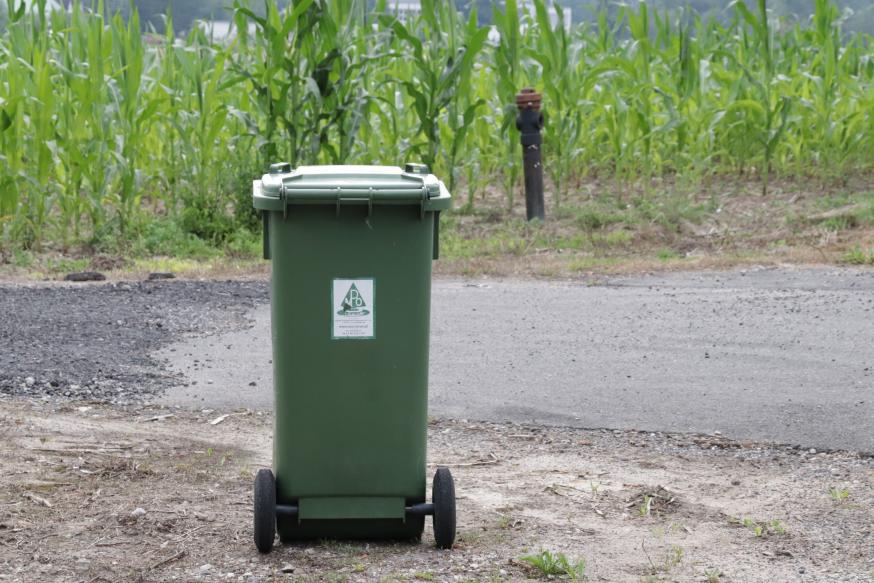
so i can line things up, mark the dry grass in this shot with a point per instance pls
(599, 230)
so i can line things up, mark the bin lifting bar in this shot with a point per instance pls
(422, 509)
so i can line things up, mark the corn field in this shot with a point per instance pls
(103, 126)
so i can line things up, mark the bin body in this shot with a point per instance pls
(350, 301)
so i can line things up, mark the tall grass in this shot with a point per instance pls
(103, 125)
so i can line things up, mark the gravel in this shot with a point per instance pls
(93, 342)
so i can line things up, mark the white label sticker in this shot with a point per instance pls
(352, 308)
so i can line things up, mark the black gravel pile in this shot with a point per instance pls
(94, 342)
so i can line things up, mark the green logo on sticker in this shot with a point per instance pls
(353, 304)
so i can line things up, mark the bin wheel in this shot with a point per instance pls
(265, 510)
(443, 497)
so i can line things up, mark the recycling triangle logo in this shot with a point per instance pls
(353, 304)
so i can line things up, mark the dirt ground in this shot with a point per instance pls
(634, 506)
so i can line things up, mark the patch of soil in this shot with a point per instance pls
(103, 262)
(656, 501)
(97, 493)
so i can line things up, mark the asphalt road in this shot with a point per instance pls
(784, 355)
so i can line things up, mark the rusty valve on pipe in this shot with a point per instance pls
(529, 122)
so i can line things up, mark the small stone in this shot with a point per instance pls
(735, 482)
(253, 384)
(811, 451)
(287, 568)
(29, 381)
(137, 513)
(205, 568)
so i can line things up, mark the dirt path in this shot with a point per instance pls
(634, 506)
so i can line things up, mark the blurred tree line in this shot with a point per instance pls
(862, 11)
(584, 10)
(185, 11)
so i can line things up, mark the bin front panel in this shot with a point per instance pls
(351, 413)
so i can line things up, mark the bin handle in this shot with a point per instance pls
(425, 196)
(356, 201)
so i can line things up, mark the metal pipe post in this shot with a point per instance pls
(529, 122)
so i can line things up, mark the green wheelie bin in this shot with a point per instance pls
(351, 248)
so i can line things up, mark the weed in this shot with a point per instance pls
(839, 494)
(424, 576)
(22, 258)
(550, 564)
(857, 256)
(646, 506)
(244, 244)
(173, 265)
(712, 575)
(673, 557)
(667, 254)
(612, 238)
(837, 224)
(761, 529)
(470, 537)
(590, 218)
(65, 265)
(167, 237)
(586, 263)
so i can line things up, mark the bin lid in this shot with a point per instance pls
(285, 186)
